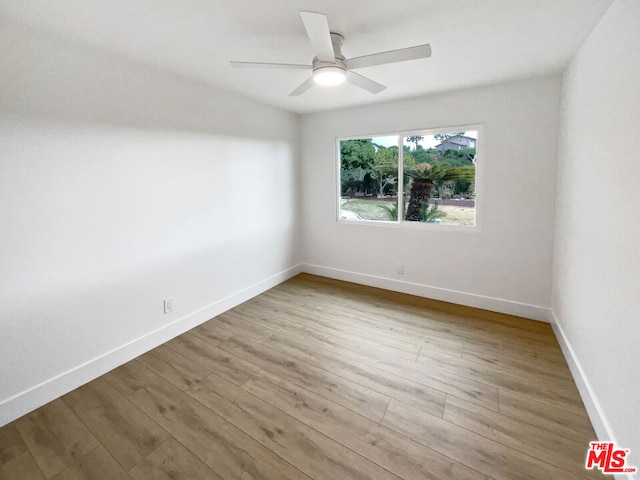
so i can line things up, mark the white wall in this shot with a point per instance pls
(596, 293)
(504, 267)
(121, 185)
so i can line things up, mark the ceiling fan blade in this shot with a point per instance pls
(364, 82)
(306, 85)
(317, 28)
(269, 65)
(392, 56)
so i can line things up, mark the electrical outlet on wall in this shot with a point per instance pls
(400, 269)
(168, 305)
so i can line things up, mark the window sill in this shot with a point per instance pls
(424, 226)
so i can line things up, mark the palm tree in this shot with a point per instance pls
(424, 178)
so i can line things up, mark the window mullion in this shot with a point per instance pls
(400, 180)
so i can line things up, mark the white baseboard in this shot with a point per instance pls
(500, 305)
(601, 425)
(34, 397)
(598, 419)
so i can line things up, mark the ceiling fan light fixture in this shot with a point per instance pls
(329, 75)
(330, 66)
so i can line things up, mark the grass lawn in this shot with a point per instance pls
(369, 209)
(377, 210)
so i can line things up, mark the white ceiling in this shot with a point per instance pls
(473, 42)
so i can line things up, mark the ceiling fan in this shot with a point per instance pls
(330, 67)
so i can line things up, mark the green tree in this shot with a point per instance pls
(462, 187)
(356, 163)
(408, 160)
(358, 153)
(424, 156)
(441, 137)
(457, 158)
(415, 139)
(424, 177)
(407, 156)
(385, 167)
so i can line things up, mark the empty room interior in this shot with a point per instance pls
(319, 239)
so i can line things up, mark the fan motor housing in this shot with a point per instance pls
(337, 41)
(319, 64)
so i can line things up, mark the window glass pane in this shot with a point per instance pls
(369, 179)
(439, 178)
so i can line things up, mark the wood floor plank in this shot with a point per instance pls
(55, 436)
(212, 331)
(383, 324)
(323, 343)
(317, 455)
(465, 388)
(528, 439)
(473, 450)
(533, 344)
(174, 367)
(539, 387)
(534, 362)
(227, 450)
(126, 432)
(387, 298)
(523, 348)
(214, 359)
(170, 461)
(310, 451)
(474, 331)
(393, 451)
(501, 370)
(477, 324)
(269, 325)
(271, 319)
(11, 443)
(570, 424)
(95, 465)
(360, 399)
(228, 321)
(263, 325)
(369, 315)
(330, 323)
(427, 393)
(345, 360)
(22, 467)
(130, 377)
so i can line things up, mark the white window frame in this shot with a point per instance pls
(401, 223)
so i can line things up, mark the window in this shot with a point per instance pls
(428, 176)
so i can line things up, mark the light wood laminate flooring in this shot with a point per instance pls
(321, 379)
